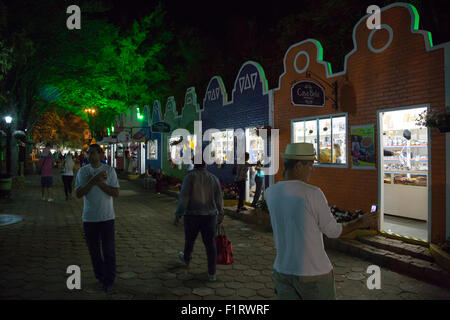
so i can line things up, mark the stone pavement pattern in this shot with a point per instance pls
(36, 253)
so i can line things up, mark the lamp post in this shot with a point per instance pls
(91, 113)
(8, 120)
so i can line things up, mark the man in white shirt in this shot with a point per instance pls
(97, 184)
(300, 215)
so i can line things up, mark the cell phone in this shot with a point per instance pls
(374, 208)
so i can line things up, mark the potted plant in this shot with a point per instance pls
(437, 118)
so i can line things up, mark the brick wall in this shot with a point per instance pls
(404, 74)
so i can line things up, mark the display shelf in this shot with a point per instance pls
(413, 146)
(424, 173)
(396, 159)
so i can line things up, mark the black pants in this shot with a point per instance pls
(259, 183)
(100, 239)
(67, 180)
(241, 193)
(206, 225)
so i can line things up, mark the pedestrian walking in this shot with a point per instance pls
(67, 175)
(201, 203)
(240, 180)
(300, 215)
(45, 166)
(259, 180)
(97, 183)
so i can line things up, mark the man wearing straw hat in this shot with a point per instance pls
(299, 214)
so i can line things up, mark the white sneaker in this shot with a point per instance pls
(181, 257)
(211, 277)
(50, 200)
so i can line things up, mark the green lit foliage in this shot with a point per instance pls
(112, 70)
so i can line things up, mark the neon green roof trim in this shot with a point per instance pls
(112, 129)
(109, 133)
(263, 75)
(140, 117)
(329, 68)
(430, 38)
(416, 17)
(320, 50)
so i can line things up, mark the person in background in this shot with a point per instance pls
(300, 215)
(97, 184)
(259, 180)
(22, 156)
(149, 181)
(240, 180)
(45, 165)
(67, 175)
(161, 180)
(81, 158)
(201, 203)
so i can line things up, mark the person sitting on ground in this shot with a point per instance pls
(161, 180)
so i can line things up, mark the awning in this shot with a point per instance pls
(142, 135)
(108, 140)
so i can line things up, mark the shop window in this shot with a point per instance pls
(221, 144)
(255, 147)
(152, 147)
(327, 134)
(177, 147)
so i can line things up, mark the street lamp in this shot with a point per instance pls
(91, 113)
(8, 120)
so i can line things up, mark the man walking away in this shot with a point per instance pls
(67, 175)
(45, 165)
(97, 184)
(201, 203)
(300, 215)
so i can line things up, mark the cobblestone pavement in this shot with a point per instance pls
(36, 253)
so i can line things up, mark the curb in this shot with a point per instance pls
(417, 268)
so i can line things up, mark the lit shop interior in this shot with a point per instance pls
(404, 170)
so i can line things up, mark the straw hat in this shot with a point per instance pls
(299, 151)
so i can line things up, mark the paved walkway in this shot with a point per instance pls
(36, 253)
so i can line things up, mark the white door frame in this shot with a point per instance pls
(381, 167)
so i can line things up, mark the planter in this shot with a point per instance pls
(442, 258)
(5, 187)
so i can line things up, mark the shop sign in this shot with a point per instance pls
(307, 94)
(161, 127)
(363, 147)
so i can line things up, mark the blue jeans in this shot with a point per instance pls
(100, 239)
(207, 226)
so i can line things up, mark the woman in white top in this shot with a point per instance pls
(67, 175)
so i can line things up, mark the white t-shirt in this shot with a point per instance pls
(98, 206)
(299, 214)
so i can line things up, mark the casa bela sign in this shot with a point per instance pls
(307, 94)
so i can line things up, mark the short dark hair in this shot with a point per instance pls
(289, 164)
(97, 147)
(200, 166)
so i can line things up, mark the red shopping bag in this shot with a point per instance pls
(224, 248)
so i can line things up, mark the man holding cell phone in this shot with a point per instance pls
(300, 215)
(97, 183)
